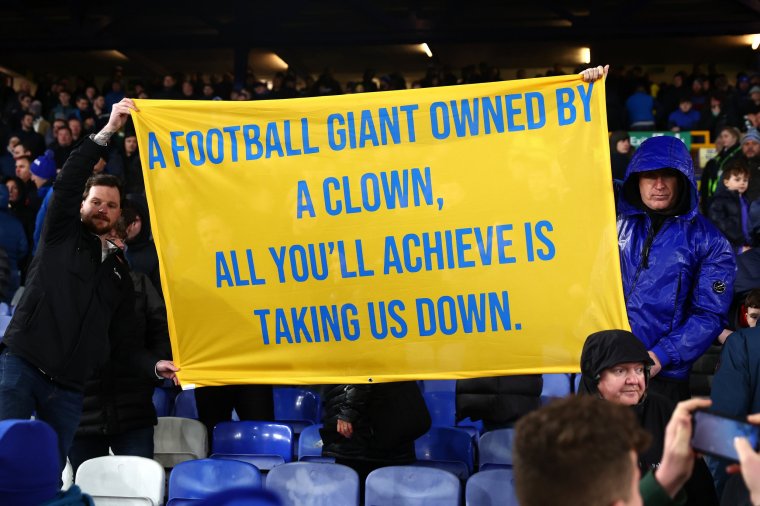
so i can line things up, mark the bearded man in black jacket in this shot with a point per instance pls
(78, 307)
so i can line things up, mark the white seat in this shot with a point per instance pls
(122, 480)
(178, 439)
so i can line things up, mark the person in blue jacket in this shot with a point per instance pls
(678, 270)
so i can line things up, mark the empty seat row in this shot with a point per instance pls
(197, 482)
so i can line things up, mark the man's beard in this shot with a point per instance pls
(97, 227)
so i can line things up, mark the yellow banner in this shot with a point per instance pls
(449, 232)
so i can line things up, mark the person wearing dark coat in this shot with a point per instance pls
(729, 210)
(13, 240)
(118, 411)
(730, 149)
(615, 367)
(620, 153)
(141, 250)
(370, 426)
(500, 400)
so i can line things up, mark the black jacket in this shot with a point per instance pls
(498, 400)
(725, 211)
(117, 399)
(386, 419)
(76, 310)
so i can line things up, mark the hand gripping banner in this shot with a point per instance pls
(448, 232)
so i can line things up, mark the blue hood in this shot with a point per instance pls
(663, 152)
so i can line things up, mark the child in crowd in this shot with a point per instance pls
(752, 307)
(729, 210)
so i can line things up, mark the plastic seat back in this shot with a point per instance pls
(555, 385)
(449, 448)
(496, 448)
(242, 497)
(412, 486)
(315, 484)
(263, 444)
(177, 440)
(29, 467)
(162, 402)
(184, 405)
(491, 488)
(296, 406)
(122, 480)
(310, 445)
(199, 479)
(442, 408)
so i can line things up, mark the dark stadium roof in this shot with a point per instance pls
(349, 35)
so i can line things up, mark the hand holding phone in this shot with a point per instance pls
(714, 434)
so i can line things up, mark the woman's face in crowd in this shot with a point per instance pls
(623, 383)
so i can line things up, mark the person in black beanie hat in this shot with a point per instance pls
(615, 366)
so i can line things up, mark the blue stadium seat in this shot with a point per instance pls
(242, 497)
(184, 405)
(496, 449)
(299, 483)
(198, 479)
(442, 407)
(296, 407)
(449, 448)
(162, 401)
(439, 386)
(310, 445)
(555, 385)
(487, 488)
(4, 321)
(262, 444)
(29, 467)
(412, 486)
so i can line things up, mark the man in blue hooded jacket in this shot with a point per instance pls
(678, 269)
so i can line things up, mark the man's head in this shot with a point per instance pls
(43, 169)
(64, 97)
(23, 164)
(20, 149)
(130, 144)
(27, 121)
(659, 188)
(101, 203)
(615, 367)
(752, 305)
(63, 136)
(75, 126)
(580, 449)
(82, 103)
(751, 144)
(736, 176)
(660, 178)
(685, 104)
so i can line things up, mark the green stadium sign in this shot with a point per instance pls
(638, 137)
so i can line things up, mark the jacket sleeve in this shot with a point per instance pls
(157, 329)
(63, 211)
(731, 388)
(710, 298)
(355, 405)
(731, 391)
(125, 346)
(720, 215)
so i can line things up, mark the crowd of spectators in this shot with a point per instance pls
(41, 130)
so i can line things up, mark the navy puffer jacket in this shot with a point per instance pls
(678, 280)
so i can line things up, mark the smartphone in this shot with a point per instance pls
(714, 434)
